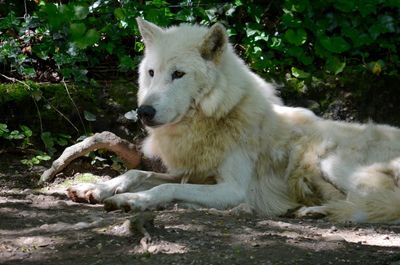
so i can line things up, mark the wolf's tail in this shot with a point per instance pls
(373, 207)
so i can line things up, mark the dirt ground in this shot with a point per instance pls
(41, 226)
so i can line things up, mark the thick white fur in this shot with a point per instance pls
(222, 122)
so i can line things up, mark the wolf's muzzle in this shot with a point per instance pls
(146, 114)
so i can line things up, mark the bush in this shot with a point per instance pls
(317, 49)
(306, 40)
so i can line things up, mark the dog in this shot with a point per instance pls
(227, 140)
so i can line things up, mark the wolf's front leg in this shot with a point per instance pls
(130, 181)
(218, 196)
(234, 175)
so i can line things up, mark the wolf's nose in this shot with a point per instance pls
(146, 113)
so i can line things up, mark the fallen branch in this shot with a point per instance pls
(127, 151)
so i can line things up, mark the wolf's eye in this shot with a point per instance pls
(177, 75)
(151, 72)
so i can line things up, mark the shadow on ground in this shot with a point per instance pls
(43, 227)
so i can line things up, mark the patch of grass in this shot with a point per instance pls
(78, 179)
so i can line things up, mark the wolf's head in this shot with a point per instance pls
(179, 71)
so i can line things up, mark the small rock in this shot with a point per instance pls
(62, 204)
(27, 191)
(81, 225)
(333, 229)
(99, 246)
(334, 238)
(152, 249)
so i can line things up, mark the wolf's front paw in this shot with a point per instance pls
(139, 201)
(89, 193)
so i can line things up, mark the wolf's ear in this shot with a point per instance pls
(148, 30)
(214, 43)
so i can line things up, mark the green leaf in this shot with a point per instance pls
(296, 37)
(345, 5)
(375, 30)
(376, 67)
(92, 36)
(231, 32)
(77, 30)
(3, 129)
(35, 161)
(296, 5)
(26, 131)
(61, 141)
(15, 135)
(276, 43)
(9, 21)
(53, 15)
(387, 23)
(358, 38)
(47, 139)
(300, 55)
(290, 21)
(262, 37)
(26, 162)
(83, 38)
(367, 7)
(126, 63)
(299, 73)
(393, 3)
(89, 116)
(119, 13)
(384, 24)
(334, 65)
(334, 44)
(43, 157)
(29, 72)
(80, 12)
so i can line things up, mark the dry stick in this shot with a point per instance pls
(73, 103)
(62, 115)
(14, 80)
(106, 140)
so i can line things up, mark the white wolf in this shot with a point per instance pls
(227, 140)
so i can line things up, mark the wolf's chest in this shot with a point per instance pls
(192, 153)
(199, 144)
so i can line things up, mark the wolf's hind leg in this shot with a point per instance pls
(105, 140)
(130, 181)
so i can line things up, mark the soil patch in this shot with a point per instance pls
(41, 226)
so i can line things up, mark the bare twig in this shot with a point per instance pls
(62, 115)
(73, 103)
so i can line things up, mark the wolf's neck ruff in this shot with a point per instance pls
(208, 137)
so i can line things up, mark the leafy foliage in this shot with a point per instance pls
(312, 47)
(318, 37)
(22, 138)
(24, 134)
